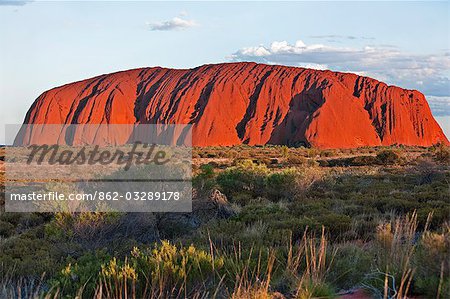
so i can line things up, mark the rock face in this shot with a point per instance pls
(249, 103)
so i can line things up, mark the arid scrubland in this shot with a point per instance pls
(267, 222)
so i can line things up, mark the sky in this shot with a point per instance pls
(44, 44)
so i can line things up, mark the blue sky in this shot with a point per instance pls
(44, 44)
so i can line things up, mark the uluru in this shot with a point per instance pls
(248, 103)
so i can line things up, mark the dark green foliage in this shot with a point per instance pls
(389, 157)
(29, 255)
(296, 160)
(6, 229)
(204, 180)
(282, 185)
(246, 177)
(83, 271)
(336, 224)
(442, 153)
(432, 263)
(349, 265)
(352, 161)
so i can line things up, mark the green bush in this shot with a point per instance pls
(205, 179)
(389, 157)
(363, 160)
(245, 177)
(161, 271)
(432, 264)
(442, 153)
(296, 160)
(282, 184)
(6, 229)
(80, 273)
(336, 224)
(349, 266)
(27, 255)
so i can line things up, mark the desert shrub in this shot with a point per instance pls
(284, 151)
(398, 205)
(242, 199)
(211, 155)
(310, 207)
(223, 232)
(394, 250)
(352, 161)
(258, 234)
(282, 184)
(363, 226)
(310, 261)
(164, 270)
(389, 157)
(312, 152)
(23, 221)
(296, 160)
(261, 212)
(350, 265)
(440, 212)
(297, 226)
(249, 274)
(13, 218)
(84, 225)
(410, 261)
(327, 153)
(336, 224)
(82, 273)
(363, 160)
(274, 161)
(323, 163)
(442, 153)
(204, 180)
(245, 177)
(262, 160)
(335, 162)
(6, 229)
(70, 234)
(28, 255)
(231, 154)
(432, 264)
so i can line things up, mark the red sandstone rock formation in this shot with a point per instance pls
(249, 103)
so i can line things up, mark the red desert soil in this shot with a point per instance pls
(361, 294)
(248, 103)
(357, 294)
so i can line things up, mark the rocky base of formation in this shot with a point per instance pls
(247, 103)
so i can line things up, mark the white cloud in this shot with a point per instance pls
(334, 37)
(13, 2)
(427, 73)
(439, 105)
(256, 51)
(177, 23)
(316, 66)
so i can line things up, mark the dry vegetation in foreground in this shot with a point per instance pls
(268, 222)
